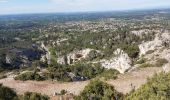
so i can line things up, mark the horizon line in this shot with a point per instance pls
(74, 12)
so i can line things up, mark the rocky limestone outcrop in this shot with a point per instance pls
(22, 57)
(166, 67)
(144, 32)
(161, 40)
(165, 37)
(120, 62)
(78, 55)
(47, 55)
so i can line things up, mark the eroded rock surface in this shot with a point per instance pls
(161, 40)
(121, 62)
(75, 56)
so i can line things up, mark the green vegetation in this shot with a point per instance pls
(7, 93)
(144, 65)
(59, 73)
(69, 73)
(63, 92)
(88, 71)
(161, 62)
(33, 96)
(98, 90)
(157, 88)
(3, 73)
(29, 76)
(20, 48)
(150, 51)
(131, 50)
(109, 74)
(141, 61)
(2, 76)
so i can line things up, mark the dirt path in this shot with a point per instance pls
(123, 84)
(44, 87)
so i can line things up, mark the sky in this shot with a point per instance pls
(47, 6)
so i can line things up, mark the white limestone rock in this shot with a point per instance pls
(121, 62)
(160, 41)
(150, 45)
(140, 32)
(166, 67)
(144, 31)
(76, 56)
(47, 56)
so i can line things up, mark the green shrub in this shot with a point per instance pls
(94, 55)
(34, 96)
(157, 88)
(146, 65)
(161, 62)
(2, 75)
(131, 50)
(7, 93)
(87, 70)
(141, 61)
(58, 73)
(63, 92)
(150, 52)
(98, 90)
(29, 76)
(109, 74)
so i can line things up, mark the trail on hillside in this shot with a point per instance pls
(124, 83)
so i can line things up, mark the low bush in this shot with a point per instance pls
(157, 88)
(7, 93)
(98, 90)
(131, 50)
(63, 92)
(109, 74)
(80, 71)
(161, 62)
(141, 61)
(150, 52)
(87, 70)
(29, 76)
(146, 65)
(34, 96)
(2, 75)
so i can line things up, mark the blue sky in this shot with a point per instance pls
(42, 6)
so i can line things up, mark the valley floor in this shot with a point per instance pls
(124, 83)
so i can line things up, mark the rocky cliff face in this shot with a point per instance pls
(161, 40)
(120, 62)
(160, 45)
(47, 56)
(78, 55)
(22, 57)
